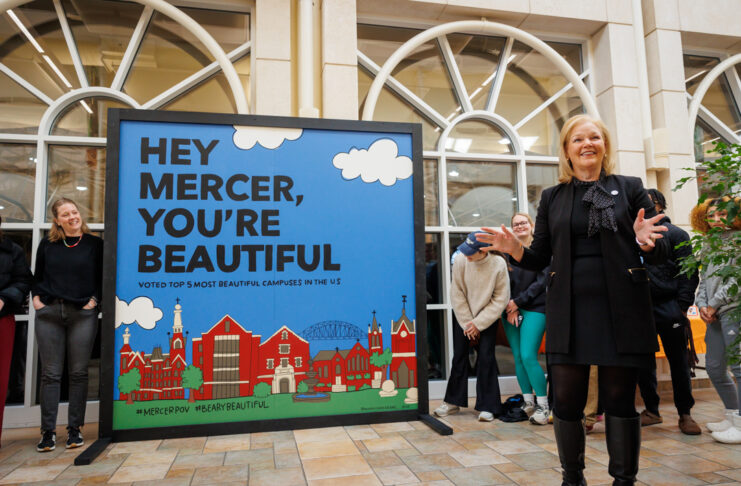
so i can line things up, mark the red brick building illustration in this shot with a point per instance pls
(233, 361)
(331, 370)
(161, 373)
(283, 361)
(403, 350)
(228, 355)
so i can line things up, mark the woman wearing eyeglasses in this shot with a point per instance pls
(525, 325)
(66, 293)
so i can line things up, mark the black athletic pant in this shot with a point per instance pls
(674, 341)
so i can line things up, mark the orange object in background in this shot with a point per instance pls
(698, 332)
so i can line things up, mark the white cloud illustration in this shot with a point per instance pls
(380, 162)
(269, 137)
(140, 310)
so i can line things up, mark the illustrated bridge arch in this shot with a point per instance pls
(330, 330)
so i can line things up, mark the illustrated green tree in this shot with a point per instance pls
(302, 387)
(129, 382)
(721, 179)
(192, 379)
(261, 390)
(382, 360)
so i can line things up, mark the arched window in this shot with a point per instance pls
(491, 108)
(719, 111)
(63, 64)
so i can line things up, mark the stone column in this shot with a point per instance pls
(615, 82)
(272, 87)
(339, 59)
(672, 139)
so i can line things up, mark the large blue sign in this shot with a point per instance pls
(263, 270)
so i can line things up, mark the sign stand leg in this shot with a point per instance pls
(435, 424)
(88, 455)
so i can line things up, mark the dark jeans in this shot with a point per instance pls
(674, 341)
(64, 328)
(488, 397)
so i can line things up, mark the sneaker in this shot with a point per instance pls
(528, 408)
(650, 418)
(48, 441)
(74, 438)
(731, 435)
(446, 409)
(540, 415)
(724, 424)
(486, 417)
(688, 426)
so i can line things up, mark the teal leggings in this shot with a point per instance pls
(525, 341)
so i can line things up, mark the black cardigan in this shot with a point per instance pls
(15, 277)
(527, 287)
(627, 279)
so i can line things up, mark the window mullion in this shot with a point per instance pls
(132, 49)
(496, 85)
(71, 44)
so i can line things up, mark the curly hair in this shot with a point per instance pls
(699, 214)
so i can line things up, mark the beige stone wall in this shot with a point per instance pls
(606, 27)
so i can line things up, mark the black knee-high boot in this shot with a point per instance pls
(570, 438)
(623, 446)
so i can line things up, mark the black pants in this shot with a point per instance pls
(488, 397)
(675, 347)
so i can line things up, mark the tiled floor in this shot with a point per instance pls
(393, 453)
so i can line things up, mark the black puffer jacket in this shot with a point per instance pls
(672, 292)
(15, 277)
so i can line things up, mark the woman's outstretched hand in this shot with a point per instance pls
(646, 230)
(502, 240)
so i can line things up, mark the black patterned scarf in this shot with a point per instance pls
(600, 204)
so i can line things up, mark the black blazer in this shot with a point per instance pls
(627, 280)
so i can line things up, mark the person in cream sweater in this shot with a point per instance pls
(479, 295)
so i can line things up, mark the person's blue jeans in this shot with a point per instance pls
(61, 329)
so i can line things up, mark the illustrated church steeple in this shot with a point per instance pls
(375, 337)
(177, 341)
(403, 349)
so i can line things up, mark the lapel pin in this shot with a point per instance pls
(614, 193)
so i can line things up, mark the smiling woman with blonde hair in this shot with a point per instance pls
(592, 231)
(68, 281)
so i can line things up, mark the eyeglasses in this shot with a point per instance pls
(517, 225)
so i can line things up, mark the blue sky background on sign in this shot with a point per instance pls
(369, 225)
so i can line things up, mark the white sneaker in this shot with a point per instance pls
(724, 424)
(540, 415)
(731, 435)
(446, 409)
(486, 417)
(528, 408)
